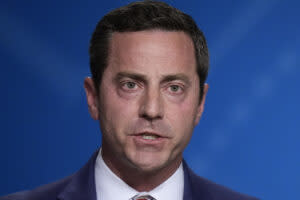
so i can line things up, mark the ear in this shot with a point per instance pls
(201, 105)
(91, 97)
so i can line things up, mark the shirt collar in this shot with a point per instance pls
(110, 186)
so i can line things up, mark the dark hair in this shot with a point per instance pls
(140, 16)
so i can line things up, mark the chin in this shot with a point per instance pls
(148, 168)
(149, 164)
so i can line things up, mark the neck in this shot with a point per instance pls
(137, 178)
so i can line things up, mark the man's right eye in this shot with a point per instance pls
(129, 85)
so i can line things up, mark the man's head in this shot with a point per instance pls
(141, 16)
(146, 87)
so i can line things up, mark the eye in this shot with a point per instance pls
(175, 89)
(130, 85)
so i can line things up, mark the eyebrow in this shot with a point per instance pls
(143, 78)
(135, 76)
(173, 77)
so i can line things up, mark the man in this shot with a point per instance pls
(149, 63)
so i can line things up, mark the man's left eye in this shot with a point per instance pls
(175, 88)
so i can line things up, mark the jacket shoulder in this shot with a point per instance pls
(220, 192)
(45, 192)
(212, 190)
(80, 185)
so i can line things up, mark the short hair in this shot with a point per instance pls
(141, 16)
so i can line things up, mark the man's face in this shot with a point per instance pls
(148, 103)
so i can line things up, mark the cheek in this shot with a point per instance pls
(118, 111)
(182, 117)
(184, 111)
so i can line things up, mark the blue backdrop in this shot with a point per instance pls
(248, 138)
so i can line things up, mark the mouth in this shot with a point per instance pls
(149, 136)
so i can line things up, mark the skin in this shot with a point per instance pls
(150, 87)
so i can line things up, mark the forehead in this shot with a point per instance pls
(152, 48)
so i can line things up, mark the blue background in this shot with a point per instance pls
(248, 138)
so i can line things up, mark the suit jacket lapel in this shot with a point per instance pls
(187, 192)
(82, 184)
(194, 187)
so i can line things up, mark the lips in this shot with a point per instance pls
(149, 137)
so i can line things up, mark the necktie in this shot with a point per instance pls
(142, 197)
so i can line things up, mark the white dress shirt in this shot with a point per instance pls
(109, 186)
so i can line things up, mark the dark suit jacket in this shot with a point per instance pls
(81, 186)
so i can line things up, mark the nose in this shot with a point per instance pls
(151, 105)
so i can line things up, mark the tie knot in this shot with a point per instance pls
(142, 197)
